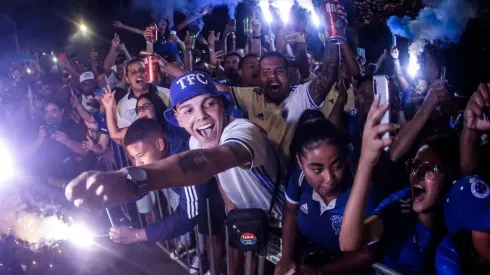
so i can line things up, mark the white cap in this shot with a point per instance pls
(87, 76)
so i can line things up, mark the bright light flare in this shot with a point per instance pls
(81, 236)
(413, 65)
(55, 59)
(83, 28)
(28, 71)
(7, 167)
(315, 19)
(266, 12)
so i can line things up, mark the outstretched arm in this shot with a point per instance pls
(120, 25)
(321, 85)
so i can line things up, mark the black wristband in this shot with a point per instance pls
(256, 36)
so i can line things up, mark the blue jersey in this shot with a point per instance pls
(192, 204)
(405, 239)
(447, 259)
(317, 221)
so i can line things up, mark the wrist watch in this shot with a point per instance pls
(138, 179)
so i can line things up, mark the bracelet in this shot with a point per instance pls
(211, 50)
(211, 66)
(137, 238)
(256, 36)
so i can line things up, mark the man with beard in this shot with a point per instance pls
(231, 69)
(276, 106)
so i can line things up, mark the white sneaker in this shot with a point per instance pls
(195, 265)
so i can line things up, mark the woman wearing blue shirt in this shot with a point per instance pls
(316, 195)
(410, 222)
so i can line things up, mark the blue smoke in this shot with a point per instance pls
(166, 8)
(443, 20)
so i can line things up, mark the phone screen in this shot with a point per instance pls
(361, 52)
(381, 89)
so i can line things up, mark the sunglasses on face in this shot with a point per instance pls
(424, 170)
(143, 107)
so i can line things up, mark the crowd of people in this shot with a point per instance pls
(266, 140)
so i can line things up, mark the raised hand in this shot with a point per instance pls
(475, 113)
(256, 27)
(437, 92)
(95, 190)
(108, 98)
(394, 53)
(118, 24)
(372, 144)
(212, 39)
(116, 41)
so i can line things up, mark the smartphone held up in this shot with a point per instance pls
(381, 90)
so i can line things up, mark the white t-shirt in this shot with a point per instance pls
(126, 107)
(250, 188)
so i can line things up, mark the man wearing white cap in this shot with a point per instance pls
(88, 85)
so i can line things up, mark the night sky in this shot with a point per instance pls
(45, 25)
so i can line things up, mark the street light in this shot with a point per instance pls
(83, 28)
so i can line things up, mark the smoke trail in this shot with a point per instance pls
(442, 20)
(165, 8)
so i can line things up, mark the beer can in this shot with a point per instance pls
(335, 21)
(154, 33)
(152, 68)
(247, 25)
(191, 42)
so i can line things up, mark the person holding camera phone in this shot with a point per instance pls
(57, 151)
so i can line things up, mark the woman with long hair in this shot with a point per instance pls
(409, 223)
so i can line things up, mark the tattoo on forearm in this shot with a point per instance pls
(322, 84)
(240, 153)
(193, 161)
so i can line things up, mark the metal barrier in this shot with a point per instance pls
(159, 211)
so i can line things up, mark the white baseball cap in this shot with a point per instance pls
(87, 76)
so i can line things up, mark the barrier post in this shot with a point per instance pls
(249, 263)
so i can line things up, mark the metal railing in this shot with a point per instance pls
(159, 211)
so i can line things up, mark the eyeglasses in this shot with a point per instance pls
(143, 107)
(426, 170)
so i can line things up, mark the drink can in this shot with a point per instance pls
(152, 68)
(247, 25)
(335, 21)
(191, 43)
(154, 33)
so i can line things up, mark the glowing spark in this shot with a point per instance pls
(55, 59)
(50, 265)
(266, 12)
(44, 53)
(413, 65)
(83, 28)
(34, 262)
(315, 19)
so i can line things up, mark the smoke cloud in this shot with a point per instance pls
(442, 20)
(166, 8)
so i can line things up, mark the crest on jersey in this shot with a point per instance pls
(479, 188)
(336, 223)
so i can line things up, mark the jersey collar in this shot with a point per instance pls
(151, 89)
(323, 207)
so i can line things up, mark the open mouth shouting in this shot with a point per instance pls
(418, 193)
(140, 80)
(274, 85)
(206, 130)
